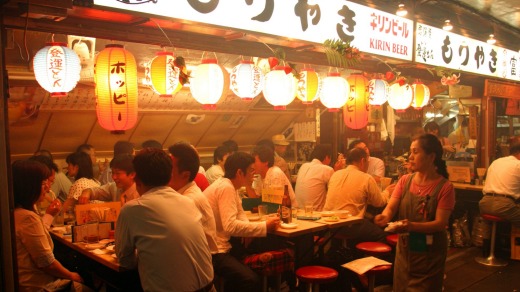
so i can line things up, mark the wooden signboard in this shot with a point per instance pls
(272, 195)
(102, 212)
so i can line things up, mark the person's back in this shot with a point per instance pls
(161, 232)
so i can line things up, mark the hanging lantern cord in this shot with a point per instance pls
(164, 33)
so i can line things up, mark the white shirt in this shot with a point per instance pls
(311, 184)
(214, 172)
(78, 186)
(161, 233)
(282, 164)
(276, 177)
(229, 215)
(110, 193)
(376, 166)
(191, 190)
(351, 189)
(503, 177)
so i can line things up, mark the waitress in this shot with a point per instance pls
(423, 201)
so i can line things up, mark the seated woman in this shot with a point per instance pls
(38, 270)
(79, 166)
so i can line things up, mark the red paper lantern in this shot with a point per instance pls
(164, 76)
(116, 88)
(378, 92)
(400, 96)
(279, 87)
(57, 68)
(334, 91)
(355, 111)
(309, 86)
(246, 80)
(421, 95)
(209, 83)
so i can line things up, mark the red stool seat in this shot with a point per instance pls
(316, 274)
(392, 239)
(373, 248)
(379, 269)
(493, 218)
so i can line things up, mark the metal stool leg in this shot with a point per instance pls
(491, 260)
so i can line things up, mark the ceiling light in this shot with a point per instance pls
(447, 25)
(401, 11)
(491, 40)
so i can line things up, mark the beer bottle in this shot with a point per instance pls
(286, 206)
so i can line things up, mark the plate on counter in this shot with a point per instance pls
(253, 218)
(289, 225)
(327, 213)
(331, 219)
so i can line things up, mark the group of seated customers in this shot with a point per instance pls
(166, 218)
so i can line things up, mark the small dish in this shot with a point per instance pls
(327, 213)
(289, 225)
(331, 219)
(91, 246)
(110, 248)
(253, 218)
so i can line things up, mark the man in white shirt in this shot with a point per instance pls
(232, 221)
(272, 176)
(280, 147)
(217, 169)
(502, 187)
(313, 177)
(186, 163)
(353, 189)
(121, 189)
(376, 166)
(161, 233)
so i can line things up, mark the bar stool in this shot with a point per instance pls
(491, 260)
(392, 239)
(376, 249)
(316, 275)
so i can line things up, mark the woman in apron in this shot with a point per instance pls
(423, 201)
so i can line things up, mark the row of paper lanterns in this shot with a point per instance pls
(57, 69)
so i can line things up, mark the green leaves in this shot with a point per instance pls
(341, 54)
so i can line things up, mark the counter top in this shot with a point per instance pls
(461, 186)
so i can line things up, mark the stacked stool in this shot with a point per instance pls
(392, 239)
(491, 260)
(316, 275)
(376, 249)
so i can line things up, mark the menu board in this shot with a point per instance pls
(272, 195)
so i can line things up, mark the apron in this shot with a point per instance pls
(419, 262)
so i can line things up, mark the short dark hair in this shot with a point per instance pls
(354, 143)
(265, 154)
(266, 142)
(232, 145)
(84, 147)
(219, 153)
(236, 161)
(514, 145)
(321, 151)
(44, 152)
(123, 162)
(28, 176)
(430, 126)
(84, 163)
(355, 155)
(45, 160)
(187, 158)
(152, 144)
(123, 147)
(153, 167)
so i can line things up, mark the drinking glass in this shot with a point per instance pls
(294, 214)
(92, 235)
(262, 211)
(309, 210)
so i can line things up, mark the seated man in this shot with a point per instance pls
(122, 189)
(232, 221)
(185, 168)
(271, 175)
(353, 189)
(502, 187)
(161, 233)
(217, 169)
(313, 177)
(376, 166)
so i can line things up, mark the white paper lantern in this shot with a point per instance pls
(309, 85)
(209, 83)
(334, 91)
(421, 95)
(279, 88)
(164, 76)
(246, 80)
(57, 68)
(400, 96)
(378, 92)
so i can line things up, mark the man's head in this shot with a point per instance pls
(153, 168)
(220, 154)
(264, 159)
(280, 144)
(359, 144)
(232, 145)
(514, 145)
(322, 152)
(239, 168)
(152, 144)
(359, 158)
(123, 172)
(123, 147)
(89, 149)
(186, 164)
